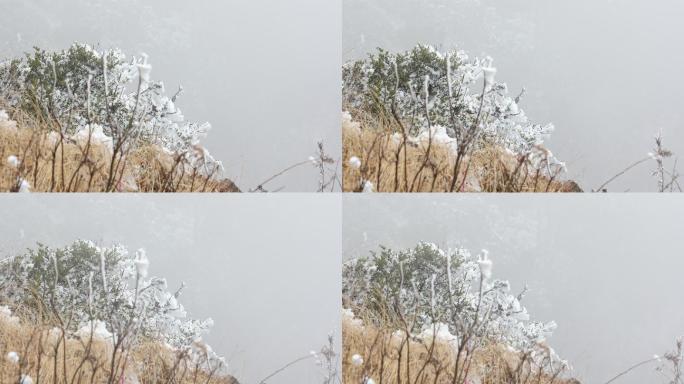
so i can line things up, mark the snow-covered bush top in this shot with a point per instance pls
(448, 293)
(101, 291)
(425, 87)
(85, 90)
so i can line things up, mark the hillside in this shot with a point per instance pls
(89, 314)
(427, 315)
(84, 120)
(423, 120)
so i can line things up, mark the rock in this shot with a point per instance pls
(570, 186)
(227, 185)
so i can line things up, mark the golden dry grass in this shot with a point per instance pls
(47, 358)
(51, 166)
(392, 167)
(388, 360)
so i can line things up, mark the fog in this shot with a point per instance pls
(266, 269)
(264, 73)
(607, 270)
(605, 72)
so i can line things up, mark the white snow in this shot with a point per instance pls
(449, 81)
(485, 264)
(24, 186)
(437, 331)
(5, 311)
(356, 360)
(144, 69)
(6, 315)
(489, 74)
(348, 123)
(518, 311)
(141, 263)
(439, 136)
(449, 278)
(53, 137)
(98, 329)
(354, 162)
(13, 357)
(96, 135)
(349, 314)
(5, 121)
(426, 89)
(432, 291)
(367, 187)
(13, 161)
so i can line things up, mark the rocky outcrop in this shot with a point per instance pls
(570, 186)
(227, 185)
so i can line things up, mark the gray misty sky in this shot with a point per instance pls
(605, 72)
(266, 269)
(264, 73)
(607, 270)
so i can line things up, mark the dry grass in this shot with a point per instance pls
(48, 358)
(388, 359)
(54, 164)
(418, 167)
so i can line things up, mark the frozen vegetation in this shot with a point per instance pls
(87, 119)
(84, 313)
(447, 92)
(90, 314)
(432, 315)
(426, 120)
(449, 108)
(84, 119)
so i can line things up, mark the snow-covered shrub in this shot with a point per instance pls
(424, 88)
(448, 295)
(85, 91)
(104, 291)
